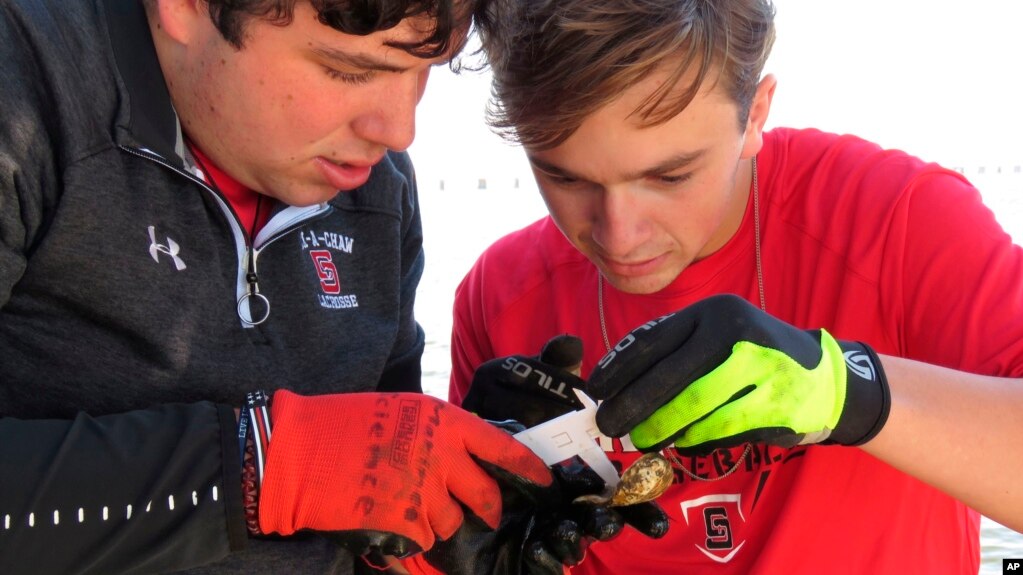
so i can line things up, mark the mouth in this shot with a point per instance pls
(632, 268)
(345, 176)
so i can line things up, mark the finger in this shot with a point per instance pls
(539, 561)
(657, 409)
(445, 515)
(513, 485)
(767, 412)
(493, 445)
(706, 331)
(563, 351)
(647, 518)
(643, 347)
(509, 426)
(654, 369)
(598, 522)
(564, 541)
(523, 389)
(782, 437)
(713, 404)
(575, 478)
(364, 541)
(476, 489)
(732, 426)
(660, 386)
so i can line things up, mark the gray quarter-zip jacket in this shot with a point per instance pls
(124, 283)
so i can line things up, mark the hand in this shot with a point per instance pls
(385, 471)
(541, 530)
(528, 389)
(722, 372)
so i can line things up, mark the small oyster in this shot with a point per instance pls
(645, 480)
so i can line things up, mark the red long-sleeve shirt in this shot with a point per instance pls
(873, 245)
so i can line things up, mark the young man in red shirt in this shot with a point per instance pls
(825, 337)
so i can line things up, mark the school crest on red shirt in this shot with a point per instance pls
(719, 515)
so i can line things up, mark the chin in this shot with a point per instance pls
(638, 285)
(310, 196)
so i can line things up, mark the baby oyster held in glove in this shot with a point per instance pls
(645, 480)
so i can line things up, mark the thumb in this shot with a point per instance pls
(563, 352)
(522, 488)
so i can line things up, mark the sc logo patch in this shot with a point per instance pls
(326, 271)
(721, 516)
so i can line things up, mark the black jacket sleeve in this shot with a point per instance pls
(140, 492)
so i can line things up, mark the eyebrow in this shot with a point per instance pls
(356, 60)
(671, 164)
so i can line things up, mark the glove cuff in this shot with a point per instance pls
(254, 425)
(867, 398)
(253, 439)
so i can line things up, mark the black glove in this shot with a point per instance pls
(541, 529)
(527, 541)
(532, 390)
(722, 372)
(528, 389)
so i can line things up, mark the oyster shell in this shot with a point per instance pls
(645, 480)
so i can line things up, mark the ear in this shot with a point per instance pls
(178, 19)
(758, 112)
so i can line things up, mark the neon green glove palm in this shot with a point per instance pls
(721, 372)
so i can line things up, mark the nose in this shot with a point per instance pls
(619, 225)
(391, 118)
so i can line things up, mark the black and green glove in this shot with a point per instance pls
(722, 372)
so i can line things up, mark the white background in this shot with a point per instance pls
(937, 78)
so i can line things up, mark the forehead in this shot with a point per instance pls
(305, 30)
(615, 140)
(648, 101)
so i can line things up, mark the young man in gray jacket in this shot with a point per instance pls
(172, 240)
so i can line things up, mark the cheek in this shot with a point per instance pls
(297, 111)
(421, 80)
(575, 215)
(569, 210)
(698, 216)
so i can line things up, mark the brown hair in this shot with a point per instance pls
(357, 17)
(557, 61)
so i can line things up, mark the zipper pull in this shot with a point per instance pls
(253, 298)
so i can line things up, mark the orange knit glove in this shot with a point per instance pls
(383, 471)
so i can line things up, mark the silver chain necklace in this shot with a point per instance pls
(669, 452)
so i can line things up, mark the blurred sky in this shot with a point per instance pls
(940, 79)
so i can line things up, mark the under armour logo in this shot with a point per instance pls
(860, 364)
(172, 248)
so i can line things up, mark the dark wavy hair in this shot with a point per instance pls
(357, 17)
(555, 62)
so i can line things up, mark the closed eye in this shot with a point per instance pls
(555, 176)
(673, 180)
(562, 180)
(348, 77)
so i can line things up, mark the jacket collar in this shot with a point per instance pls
(146, 117)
